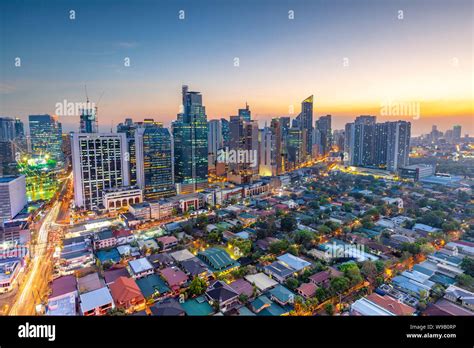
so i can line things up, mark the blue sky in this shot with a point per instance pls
(281, 60)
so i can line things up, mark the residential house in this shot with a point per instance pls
(127, 295)
(97, 302)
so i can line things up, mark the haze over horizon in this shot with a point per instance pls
(353, 56)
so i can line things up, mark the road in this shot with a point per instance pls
(35, 283)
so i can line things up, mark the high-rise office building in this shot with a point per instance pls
(46, 136)
(225, 132)
(12, 196)
(295, 147)
(323, 126)
(190, 144)
(304, 121)
(338, 139)
(245, 114)
(279, 128)
(154, 161)
(129, 128)
(456, 133)
(88, 119)
(268, 153)
(215, 141)
(244, 145)
(99, 163)
(7, 128)
(398, 144)
(19, 129)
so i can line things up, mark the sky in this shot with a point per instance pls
(355, 56)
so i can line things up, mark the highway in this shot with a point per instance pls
(35, 283)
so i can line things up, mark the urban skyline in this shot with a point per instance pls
(145, 89)
(238, 158)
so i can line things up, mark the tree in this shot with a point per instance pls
(304, 237)
(466, 281)
(197, 286)
(323, 229)
(467, 266)
(339, 285)
(279, 246)
(214, 236)
(329, 308)
(244, 245)
(288, 223)
(116, 311)
(292, 283)
(202, 221)
(369, 270)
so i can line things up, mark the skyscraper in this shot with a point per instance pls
(398, 144)
(7, 129)
(190, 144)
(99, 163)
(305, 123)
(268, 153)
(244, 144)
(456, 133)
(362, 152)
(46, 136)
(279, 128)
(129, 128)
(323, 126)
(154, 159)
(245, 114)
(215, 141)
(19, 129)
(88, 119)
(225, 132)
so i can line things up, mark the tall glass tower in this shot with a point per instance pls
(154, 153)
(46, 136)
(190, 144)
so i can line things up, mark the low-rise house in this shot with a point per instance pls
(295, 262)
(222, 294)
(281, 295)
(111, 275)
(174, 277)
(307, 290)
(161, 260)
(62, 306)
(443, 307)
(140, 268)
(195, 267)
(279, 271)
(242, 287)
(198, 306)
(181, 255)
(64, 286)
(127, 295)
(97, 302)
(460, 296)
(167, 307)
(375, 304)
(89, 283)
(123, 236)
(152, 287)
(167, 242)
(218, 260)
(104, 239)
(261, 281)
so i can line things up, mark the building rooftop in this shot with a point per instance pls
(94, 299)
(294, 262)
(217, 259)
(152, 285)
(261, 281)
(197, 307)
(140, 265)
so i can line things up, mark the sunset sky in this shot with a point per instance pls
(425, 58)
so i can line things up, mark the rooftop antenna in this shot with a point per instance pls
(87, 96)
